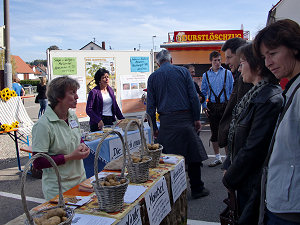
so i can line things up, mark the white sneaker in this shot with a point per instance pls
(215, 163)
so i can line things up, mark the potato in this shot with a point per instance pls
(153, 146)
(111, 181)
(122, 181)
(106, 183)
(38, 221)
(63, 219)
(55, 212)
(110, 176)
(54, 220)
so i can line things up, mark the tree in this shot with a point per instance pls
(53, 47)
(12, 61)
(38, 62)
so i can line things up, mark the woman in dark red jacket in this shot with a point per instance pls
(102, 107)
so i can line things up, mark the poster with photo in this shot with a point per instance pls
(132, 86)
(92, 65)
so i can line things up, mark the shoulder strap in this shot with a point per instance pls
(286, 107)
(224, 87)
(210, 88)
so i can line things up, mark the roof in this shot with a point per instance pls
(34, 68)
(89, 44)
(21, 66)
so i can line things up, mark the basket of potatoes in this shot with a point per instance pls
(138, 167)
(111, 189)
(59, 214)
(153, 150)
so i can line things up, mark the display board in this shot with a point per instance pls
(129, 72)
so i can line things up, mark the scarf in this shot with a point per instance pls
(242, 106)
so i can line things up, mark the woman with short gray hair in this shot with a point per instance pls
(57, 133)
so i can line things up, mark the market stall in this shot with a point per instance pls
(160, 200)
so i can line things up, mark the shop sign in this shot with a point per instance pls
(214, 35)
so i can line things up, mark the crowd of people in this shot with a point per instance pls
(249, 114)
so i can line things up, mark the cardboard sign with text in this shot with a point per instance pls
(133, 217)
(158, 202)
(178, 180)
(134, 142)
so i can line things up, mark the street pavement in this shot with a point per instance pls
(203, 211)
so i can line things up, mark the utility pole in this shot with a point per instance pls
(7, 66)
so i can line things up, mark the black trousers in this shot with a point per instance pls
(194, 172)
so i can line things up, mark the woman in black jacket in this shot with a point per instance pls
(251, 129)
(41, 89)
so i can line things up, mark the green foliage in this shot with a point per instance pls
(37, 62)
(2, 62)
(32, 82)
(53, 47)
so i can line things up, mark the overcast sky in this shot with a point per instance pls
(122, 24)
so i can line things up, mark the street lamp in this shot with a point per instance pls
(154, 36)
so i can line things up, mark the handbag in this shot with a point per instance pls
(229, 216)
(36, 99)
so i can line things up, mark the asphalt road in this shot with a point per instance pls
(204, 209)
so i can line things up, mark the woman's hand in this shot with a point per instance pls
(100, 125)
(81, 152)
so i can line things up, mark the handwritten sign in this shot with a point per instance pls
(178, 180)
(64, 66)
(139, 64)
(133, 217)
(134, 142)
(158, 202)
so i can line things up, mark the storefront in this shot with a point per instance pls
(194, 47)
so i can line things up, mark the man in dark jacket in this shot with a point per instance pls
(172, 93)
(239, 87)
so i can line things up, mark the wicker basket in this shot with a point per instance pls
(110, 198)
(138, 172)
(123, 124)
(154, 154)
(61, 203)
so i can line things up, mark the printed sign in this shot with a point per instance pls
(132, 86)
(158, 202)
(178, 180)
(133, 217)
(134, 142)
(82, 219)
(213, 35)
(92, 65)
(64, 65)
(139, 64)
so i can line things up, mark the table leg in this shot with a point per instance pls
(17, 150)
